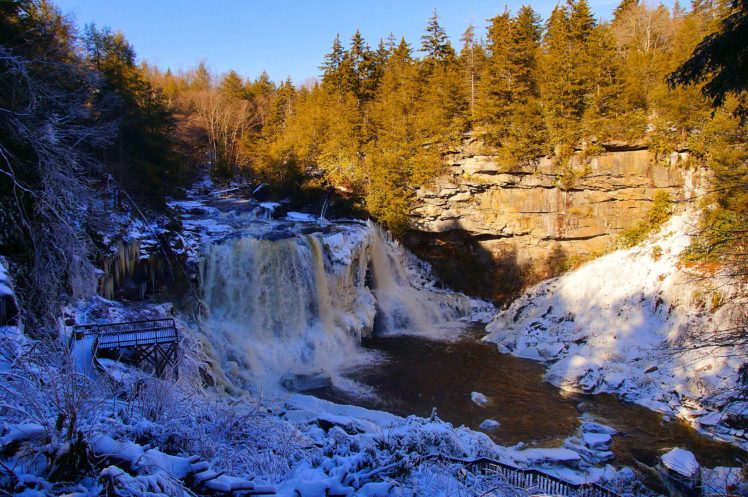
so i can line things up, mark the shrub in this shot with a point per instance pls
(662, 209)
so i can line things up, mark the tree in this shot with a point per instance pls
(494, 89)
(331, 67)
(50, 135)
(357, 68)
(471, 61)
(720, 61)
(201, 79)
(435, 42)
(232, 86)
(391, 159)
(145, 152)
(568, 64)
(525, 138)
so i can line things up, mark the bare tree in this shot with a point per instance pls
(48, 136)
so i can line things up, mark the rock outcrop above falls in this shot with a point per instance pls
(518, 220)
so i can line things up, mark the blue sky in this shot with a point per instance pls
(285, 38)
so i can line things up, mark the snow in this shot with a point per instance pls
(548, 456)
(596, 440)
(682, 462)
(489, 424)
(162, 437)
(614, 324)
(592, 427)
(300, 217)
(723, 481)
(478, 398)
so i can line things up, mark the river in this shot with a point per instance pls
(418, 374)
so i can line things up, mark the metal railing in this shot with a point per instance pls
(531, 479)
(130, 333)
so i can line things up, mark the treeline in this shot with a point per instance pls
(380, 118)
(78, 120)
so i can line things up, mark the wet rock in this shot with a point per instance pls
(302, 382)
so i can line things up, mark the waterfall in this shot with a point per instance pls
(402, 306)
(302, 304)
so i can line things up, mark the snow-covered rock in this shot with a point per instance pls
(723, 481)
(597, 440)
(592, 427)
(682, 462)
(478, 398)
(614, 324)
(489, 424)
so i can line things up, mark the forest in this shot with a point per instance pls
(378, 121)
(372, 128)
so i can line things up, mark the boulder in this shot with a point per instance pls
(303, 382)
(681, 462)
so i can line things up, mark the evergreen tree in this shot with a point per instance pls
(331, 67)
(358, 69)
(494, 89)
(145, 151)
(568, 71)
(232, 86)
(435, 42)
(201, 80)
(721, 60)
(392, 158)
(526, 136)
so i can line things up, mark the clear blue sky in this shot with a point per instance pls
(283, 37)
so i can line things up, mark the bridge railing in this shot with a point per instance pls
(531, 479)
(82, 330)
(116, 340)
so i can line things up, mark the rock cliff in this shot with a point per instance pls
(504, 227)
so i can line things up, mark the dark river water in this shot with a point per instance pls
(420, 374)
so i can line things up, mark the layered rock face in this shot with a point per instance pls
(518, 221)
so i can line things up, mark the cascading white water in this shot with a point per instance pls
(403, 307)
(301, 305)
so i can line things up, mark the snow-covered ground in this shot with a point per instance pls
(629, 323)
(69, 429)
(124, 432)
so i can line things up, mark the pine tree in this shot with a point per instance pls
(623, 8)
(201, 79)
(494, 89)
(357, 69)
(145, 148)
(526, 136)
(331, 67)
(568, 71)
(435, 42)
(394, 158)
(232, 86)
(721, 59)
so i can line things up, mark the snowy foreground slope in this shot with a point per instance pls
(629, 323)
(131, 434)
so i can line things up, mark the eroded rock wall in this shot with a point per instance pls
(517, 223)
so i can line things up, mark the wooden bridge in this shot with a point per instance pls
(153, 342)
(532, 480)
